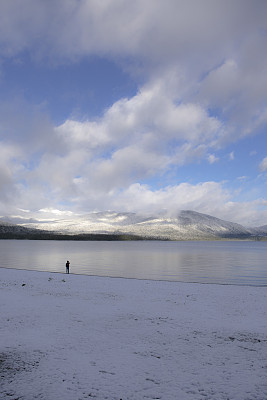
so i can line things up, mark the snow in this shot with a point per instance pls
(80, 337)
(187, 225)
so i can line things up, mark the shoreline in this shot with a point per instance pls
(108, 238)
(80, 336)
(138, 279)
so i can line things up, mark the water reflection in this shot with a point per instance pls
(210, 262)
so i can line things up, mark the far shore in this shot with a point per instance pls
(120, 237)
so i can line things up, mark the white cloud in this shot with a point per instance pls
(212, 158)
(231, 156)
(222, 84)
(151, 120)
(238, 89)
(211, 198)
(263, 165)
(127, 165)
(242, 178)
(55, 211)
(208, 197)
(212, 50)
(27, 126)
(89, 133)
(173, 198)
(69, 28)
(204, 84)
(9, 168)
(135, 139)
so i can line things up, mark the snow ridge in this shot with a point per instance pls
(186, 225)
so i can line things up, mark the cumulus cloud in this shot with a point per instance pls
(89, 133)
(136, 139)
(208, 197)
(213, 47)
(263, 165)
(200, 86)
(173, 198)
(149, 131)
(212, 158)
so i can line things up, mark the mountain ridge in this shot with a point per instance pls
(186, 225)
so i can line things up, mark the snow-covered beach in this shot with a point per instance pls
(77, 337)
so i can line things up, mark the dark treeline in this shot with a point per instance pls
(59, 236)
(105, 237)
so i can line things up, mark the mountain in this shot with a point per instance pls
(263, 229)
(187, 225)
(9, 230)
(259, 231)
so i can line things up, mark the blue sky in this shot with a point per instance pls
(148, 107)
(82, 89)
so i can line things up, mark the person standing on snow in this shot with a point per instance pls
(67, 267)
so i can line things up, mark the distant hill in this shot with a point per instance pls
(8, 230)
(11, 231)
(187, 225)
(260, 231)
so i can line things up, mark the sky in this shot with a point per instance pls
(147, 106)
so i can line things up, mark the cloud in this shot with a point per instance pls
(238, 90)
(212, 158)
(27, 126)
(156, 33)
(173, 198)
(208, 197)
(212, 50)
(263, 165)
(151, 120)
(231, 156)
(137, 138)
(96, 163)
(89, 133)
(127, 165)
(242, 178)
(55, 211)
(10, 168)
(202, 83)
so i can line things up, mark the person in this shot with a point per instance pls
(67, 267)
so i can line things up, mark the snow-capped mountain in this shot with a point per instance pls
(187, 225)
(260, 230)
(15, 231)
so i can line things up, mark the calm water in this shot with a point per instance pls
(242, 263)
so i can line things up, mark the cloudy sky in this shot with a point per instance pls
(146, 106)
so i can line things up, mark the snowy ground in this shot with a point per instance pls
(79, 337)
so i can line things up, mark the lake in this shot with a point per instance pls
(223, 262)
